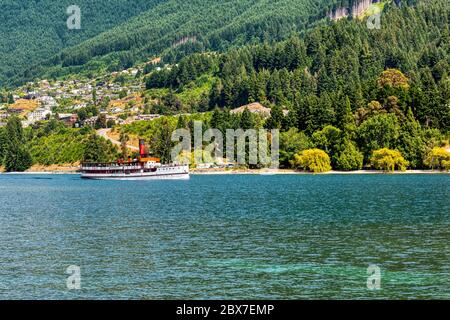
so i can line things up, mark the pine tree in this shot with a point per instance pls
(181, 124)
(247, 121)
(16, 155)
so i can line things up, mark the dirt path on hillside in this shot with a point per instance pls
(104, 133)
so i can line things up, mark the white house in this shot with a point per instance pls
(39, 115)
(48, 101)
(116, 110)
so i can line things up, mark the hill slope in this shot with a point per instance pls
(210, 24)
(33, 30)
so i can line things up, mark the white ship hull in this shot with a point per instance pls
(114, 173)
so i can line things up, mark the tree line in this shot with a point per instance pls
(50, 142)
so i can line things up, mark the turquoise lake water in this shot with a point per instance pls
(226, 237)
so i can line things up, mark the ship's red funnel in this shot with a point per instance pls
(142, 152)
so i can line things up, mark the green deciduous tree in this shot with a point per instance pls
(349, 158)
(291, 143)
(381, 131)
(97, 149)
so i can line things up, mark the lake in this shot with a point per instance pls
(226, 237)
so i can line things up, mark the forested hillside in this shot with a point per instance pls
(359, 97)
(35, 30)
(329, 64)
(174, 28)
(349, 90)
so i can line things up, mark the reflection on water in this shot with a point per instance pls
(255, 237)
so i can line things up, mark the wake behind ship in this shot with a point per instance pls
(143, 168)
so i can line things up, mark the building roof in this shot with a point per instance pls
(255, 107)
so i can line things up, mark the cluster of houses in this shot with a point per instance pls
(79, 90)
(62, 99)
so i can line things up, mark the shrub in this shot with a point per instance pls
(349, 158)
(388, 160)
(438, 158)
(313, 160)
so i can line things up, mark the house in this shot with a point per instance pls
(134, 72)
(16, 110)
(48, 101)
(79, 106)
(32, 95)
(255, 107)
(90, 121)
(116, 110)
(69, 119)
(147, 117)
(25, 123)
(3, 115)
(39, 115)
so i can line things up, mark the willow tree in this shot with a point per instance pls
(438, 158)
(313, 160)
(388, 160)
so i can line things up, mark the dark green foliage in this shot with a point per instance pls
(97, 149)
(172, 28)
(291, 143)
(381, 131)
(348, 158)
(14, 151)
(334, 70)
(247, 120)
(33, 32)
(161, 141)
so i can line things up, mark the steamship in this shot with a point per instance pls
(142, 168)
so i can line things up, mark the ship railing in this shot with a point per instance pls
(122, 166)
(110, 166)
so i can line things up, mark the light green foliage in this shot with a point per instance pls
(63, 147)
(328, 139)
(52, 143)
(393, 78)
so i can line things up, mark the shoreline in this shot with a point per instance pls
(74, 171)
(295, 172)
